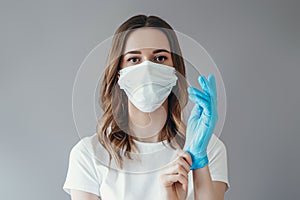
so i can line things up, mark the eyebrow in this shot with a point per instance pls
(139, 52)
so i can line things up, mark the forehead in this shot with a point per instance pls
(146, 38)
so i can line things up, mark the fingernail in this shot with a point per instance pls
(202, 78)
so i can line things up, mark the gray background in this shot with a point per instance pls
(254, 43)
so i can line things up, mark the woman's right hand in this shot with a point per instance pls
(174, 177)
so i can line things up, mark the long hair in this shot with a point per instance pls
(116, 141)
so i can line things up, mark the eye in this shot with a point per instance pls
(160, 58)
(133, 59)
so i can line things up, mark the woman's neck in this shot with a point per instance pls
(145, 132)
(147, 127)
(152, 139)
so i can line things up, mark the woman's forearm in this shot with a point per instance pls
(203, 185)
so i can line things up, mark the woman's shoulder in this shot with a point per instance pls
(90, 146)
(83, 170)
(216, 147)
(85, 143)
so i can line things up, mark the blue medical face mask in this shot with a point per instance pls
(148, 84)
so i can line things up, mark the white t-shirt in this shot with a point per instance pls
(88, 170)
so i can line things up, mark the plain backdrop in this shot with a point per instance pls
(255, 44)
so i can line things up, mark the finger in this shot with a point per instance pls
(206, 106)
(198, 93)
(196, 100)
(196, 112)
(213, 86)
(204, 84)
(181, 160)
(185, 155)
(169, 179)
(184, 187)
(184, 163)
(177, 169)
(183, 180)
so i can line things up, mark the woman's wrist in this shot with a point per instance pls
(199, 160)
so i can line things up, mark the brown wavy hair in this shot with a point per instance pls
(116, 141)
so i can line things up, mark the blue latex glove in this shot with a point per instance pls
(202, 120)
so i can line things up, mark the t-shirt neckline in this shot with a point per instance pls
(150, 147)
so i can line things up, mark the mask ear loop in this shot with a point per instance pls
(119, 74)
(123, 107)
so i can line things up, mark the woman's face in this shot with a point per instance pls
(147, 44)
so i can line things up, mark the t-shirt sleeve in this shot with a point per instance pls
(82, 173)
(217, 157)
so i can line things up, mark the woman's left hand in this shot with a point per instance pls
(202, 120)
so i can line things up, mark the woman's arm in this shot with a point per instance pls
(205, 188)
(81, 195)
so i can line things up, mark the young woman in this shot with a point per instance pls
(141, 148)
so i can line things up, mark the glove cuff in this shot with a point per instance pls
(198, 161)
